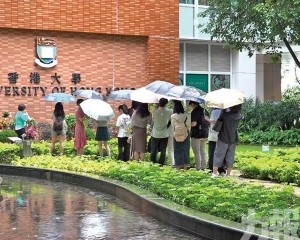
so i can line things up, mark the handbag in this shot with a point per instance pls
(218, 125)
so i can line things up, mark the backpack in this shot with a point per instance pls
(58, 125)
(180, 131)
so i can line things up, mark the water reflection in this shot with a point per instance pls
(37, 209)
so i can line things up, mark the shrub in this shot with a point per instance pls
(90, 134)
(9, 152)
(44, 130)
(71, 122)
(4, 134)
(270, 115)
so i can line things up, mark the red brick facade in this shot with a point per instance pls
(110, 43)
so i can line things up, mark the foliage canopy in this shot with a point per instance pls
(255, 24)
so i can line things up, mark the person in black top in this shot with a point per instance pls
(199, 134)
(227, 139)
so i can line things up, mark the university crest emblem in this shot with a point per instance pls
(46, 52)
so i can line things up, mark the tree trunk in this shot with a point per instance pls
(287, 44)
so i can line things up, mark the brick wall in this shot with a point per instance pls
(126, 17)
(122, 43)
(102, 61)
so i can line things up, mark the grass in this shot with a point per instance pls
(257, 148)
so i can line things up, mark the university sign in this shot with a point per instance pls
(42, 90)
(34, 78)
(46, 50)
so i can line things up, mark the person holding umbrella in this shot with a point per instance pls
(159, 136)
(123, 123)
(80, 136)
(59, 128)
(139, 121)
(199, 134)
(227, 139)
(102, 136)
(181, 123)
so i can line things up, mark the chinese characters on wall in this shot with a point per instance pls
(56, 80)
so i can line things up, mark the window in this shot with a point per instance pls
(220, 58)
(203, 2)
(196, 57)
(186, 1)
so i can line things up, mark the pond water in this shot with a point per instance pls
(39, 209)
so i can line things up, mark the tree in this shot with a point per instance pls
(255, 25)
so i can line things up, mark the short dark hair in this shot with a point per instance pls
(236, 108)
(163, 102)
(21, 107)
(79, 101)
(193, 103)
(124, 108)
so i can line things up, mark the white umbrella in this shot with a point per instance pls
(120, 94)
(187, 93)
(97, 109)
(145, 96)
(88, 93)
(224, 98)
(159, 86)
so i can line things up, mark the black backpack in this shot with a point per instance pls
(58, 125)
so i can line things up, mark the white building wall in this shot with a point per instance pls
(244, 73)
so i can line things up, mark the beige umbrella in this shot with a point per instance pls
(224, 98)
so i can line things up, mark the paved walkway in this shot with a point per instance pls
(237, 175)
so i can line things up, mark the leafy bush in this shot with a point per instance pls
(272, 137)
(44, 130)
(282, 166)
(90, 134)
(4, 134)
(9, 152)
(196, 189)
(291, 94)
(71, 122)
(269, 115)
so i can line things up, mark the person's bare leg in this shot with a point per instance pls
(215, 170)
(228, 171)
(61, 145)
(142, 156)
(53, 140)
(107, 148)
(136, 156)
(80, 151)
(100, 150)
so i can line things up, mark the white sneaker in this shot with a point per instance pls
(214, 175)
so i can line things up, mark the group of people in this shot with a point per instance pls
(171, 130)
(59, 128)
(175, 131)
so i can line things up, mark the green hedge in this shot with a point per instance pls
(221, 197)
(283, 166)
(5, 134)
